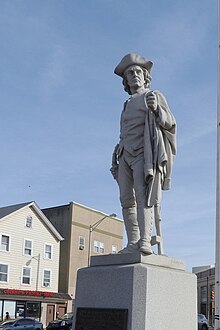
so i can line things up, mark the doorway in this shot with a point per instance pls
(50, 313)
(61, 309)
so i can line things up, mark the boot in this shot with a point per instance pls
(132, 230)
(145, 222)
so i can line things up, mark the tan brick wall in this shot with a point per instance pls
(75, 220)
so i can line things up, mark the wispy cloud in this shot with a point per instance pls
(197, 135)
(53, 74)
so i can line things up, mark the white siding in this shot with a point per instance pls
(14, 226)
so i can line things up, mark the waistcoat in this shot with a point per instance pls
(132, 125)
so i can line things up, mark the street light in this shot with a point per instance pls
(38, 267)
(94, 226)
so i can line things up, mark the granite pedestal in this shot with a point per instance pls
(152, 293)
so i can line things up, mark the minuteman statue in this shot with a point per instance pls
(142, 161)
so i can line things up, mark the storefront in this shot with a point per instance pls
(41, 305)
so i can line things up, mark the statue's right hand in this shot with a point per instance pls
(114, 171)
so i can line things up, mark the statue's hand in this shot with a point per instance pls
(114, 168)
(148, 173)
(151, 100)
(114, 171)
(148, 179)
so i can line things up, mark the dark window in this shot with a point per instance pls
(3, 273)
(25, 322)
(29, 221)
(26, 276)
(5, 243)
(33, 310)
(27, 247)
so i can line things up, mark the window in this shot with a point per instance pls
(33, 310)
(3, 273)
(28, 221)
(114, 249)
(81, 243)
(101, 247)
(203, 294)
(47, 278)
(25, 322)
(9, 306)
(20, 308)
(48, 251)
(26, 275)
(5, 242)
(96, 247)
(27, 247)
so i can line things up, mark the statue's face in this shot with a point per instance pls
(135, 77)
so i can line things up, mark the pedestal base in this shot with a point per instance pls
(157, 296)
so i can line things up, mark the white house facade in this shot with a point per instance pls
(29, 264)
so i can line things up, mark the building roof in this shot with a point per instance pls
(8, 210)
(112, 216)
(206, 273)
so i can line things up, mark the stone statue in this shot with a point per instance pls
(143, 159)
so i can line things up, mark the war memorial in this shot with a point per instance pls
(138, 289)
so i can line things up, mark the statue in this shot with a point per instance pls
(142, 160)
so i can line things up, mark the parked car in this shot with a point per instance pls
(63, 322)
(7, 321)
(203, 323)
(21, 324)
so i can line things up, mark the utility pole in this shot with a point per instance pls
(217, 248)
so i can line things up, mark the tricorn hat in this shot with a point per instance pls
(132, 59)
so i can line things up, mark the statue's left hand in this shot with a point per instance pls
(151, 100)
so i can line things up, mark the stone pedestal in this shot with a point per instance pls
(155, 290)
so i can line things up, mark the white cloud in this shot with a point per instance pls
(54, 73)
(195, 136)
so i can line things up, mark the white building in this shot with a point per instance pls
(29, 264)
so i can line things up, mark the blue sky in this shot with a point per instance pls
(61, 104)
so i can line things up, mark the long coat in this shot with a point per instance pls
(159, 148)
